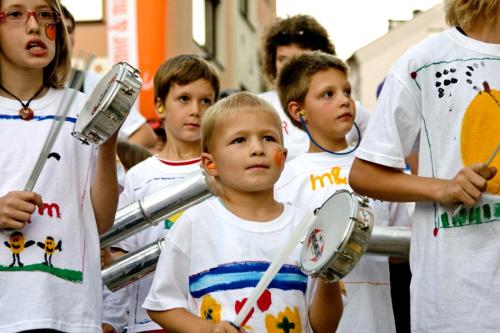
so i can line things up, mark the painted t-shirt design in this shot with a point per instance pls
(480, 128)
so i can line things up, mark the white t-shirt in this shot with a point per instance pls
(296, 140)
(212, 260)
(436, 90)
(141, 180)
(307, 182)
(50, 275)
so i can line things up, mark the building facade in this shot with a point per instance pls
(225, 32)
(370, 64)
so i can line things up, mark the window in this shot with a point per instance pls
(204, 25)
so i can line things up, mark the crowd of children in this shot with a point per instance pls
(273, 159)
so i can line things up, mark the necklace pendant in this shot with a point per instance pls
(26, 113)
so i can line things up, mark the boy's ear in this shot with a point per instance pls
(296, 111)
(159, 108)
(208, 164)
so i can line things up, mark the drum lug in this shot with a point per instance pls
(127, 90)
(362, 224)
(365, 202)
(346, 256)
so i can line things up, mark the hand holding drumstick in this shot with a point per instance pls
(470, 182)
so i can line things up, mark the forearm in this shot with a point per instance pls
(104, 192)
(179, 320)
(326, 308)
(388, 184)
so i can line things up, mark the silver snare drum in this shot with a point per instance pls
(338, 237)
(108, 105)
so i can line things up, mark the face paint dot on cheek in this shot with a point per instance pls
(50, 31)
(278, 157)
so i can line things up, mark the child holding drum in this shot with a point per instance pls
(214, 256)
(49, 267)
(315, 90)
(184, 87)
(442, 96)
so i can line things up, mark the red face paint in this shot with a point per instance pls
(278, 157)
(50, 31)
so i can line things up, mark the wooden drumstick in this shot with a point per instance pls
(488, 162)
(59, 118)
(274, 267)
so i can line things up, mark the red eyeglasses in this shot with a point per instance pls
(42, 16)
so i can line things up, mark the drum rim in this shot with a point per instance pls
(120, 70)
(345, 237)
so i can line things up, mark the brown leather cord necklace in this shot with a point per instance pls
(26, 113)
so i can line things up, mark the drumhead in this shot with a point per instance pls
(328, 232)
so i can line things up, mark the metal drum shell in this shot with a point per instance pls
(354, 242)
(104, 112)
(132, 266)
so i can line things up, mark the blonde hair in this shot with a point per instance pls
(232, 105)
(295, 77)
(464, 13)
(56, 72)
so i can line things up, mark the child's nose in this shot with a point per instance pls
(256, 148)
(195, 110)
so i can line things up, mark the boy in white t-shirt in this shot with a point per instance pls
(283, 39)
(184, 87)
(315, 88)
(216, 253)
(443, 95)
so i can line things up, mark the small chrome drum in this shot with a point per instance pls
(338, 237)
(108, 105)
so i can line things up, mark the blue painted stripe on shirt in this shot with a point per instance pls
(242, 275)
(35, 118)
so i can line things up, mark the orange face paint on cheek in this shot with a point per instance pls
(50, 31)
(278, 157)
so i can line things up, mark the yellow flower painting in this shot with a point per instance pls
(210, 309)
(287, 321)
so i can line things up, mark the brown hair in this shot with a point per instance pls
(131, 154)
(464, 13)
(183, 69)
(56, 73)
(295, 77)
(234, 104)
(302, 30)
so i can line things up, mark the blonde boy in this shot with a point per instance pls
(316, 91)
(184, 86)
(215, 256)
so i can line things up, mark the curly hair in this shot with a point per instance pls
(302, 30)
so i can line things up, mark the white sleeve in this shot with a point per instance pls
(393, 127)
(170, 284)
(115, 307)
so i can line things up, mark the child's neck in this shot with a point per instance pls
(180, 151)
(253, 206)
(331, 145)
(22, 83)
(485, 32)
